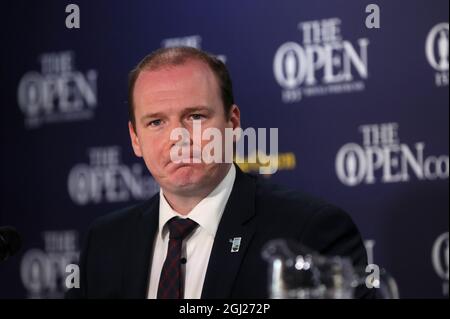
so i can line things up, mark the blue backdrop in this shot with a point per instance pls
(361, 112)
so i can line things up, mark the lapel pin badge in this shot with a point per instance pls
(235, 244)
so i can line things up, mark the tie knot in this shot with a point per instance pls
(180, 228)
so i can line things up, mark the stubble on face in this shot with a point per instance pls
(174, 94)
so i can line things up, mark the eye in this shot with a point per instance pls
(154, 123)
(197, 116)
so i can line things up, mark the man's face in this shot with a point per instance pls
(173, 97)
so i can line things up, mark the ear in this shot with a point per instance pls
(134, 140)
(235, 116)
(235, 122)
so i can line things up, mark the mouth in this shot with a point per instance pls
(185, 159)
(185, 163)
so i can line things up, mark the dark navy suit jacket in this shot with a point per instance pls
(116, 259)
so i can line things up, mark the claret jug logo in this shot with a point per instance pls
(323, 63)
(383, 158)
(58, 93)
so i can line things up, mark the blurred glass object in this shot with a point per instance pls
(297, 272)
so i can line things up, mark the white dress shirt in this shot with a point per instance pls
(197, 246)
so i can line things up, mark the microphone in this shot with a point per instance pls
(10, 242)
(183, 260)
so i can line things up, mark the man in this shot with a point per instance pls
(202, 235)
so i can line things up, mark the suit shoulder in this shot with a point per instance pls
(286, 208)
(284, 200)
(119, 219)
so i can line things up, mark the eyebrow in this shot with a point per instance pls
(152, 115)
(184, 112)
(196, 109)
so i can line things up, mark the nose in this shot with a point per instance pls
(179, 134)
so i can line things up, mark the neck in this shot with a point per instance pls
(183, 203)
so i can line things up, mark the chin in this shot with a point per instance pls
(187, 176)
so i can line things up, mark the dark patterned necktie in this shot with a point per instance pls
(170, 283)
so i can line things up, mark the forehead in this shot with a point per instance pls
(192, 81)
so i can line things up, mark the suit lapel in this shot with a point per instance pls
(223, 263)
(138, 256)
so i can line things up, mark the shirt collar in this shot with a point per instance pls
(208, 212)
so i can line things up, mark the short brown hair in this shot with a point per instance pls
(178, 56)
